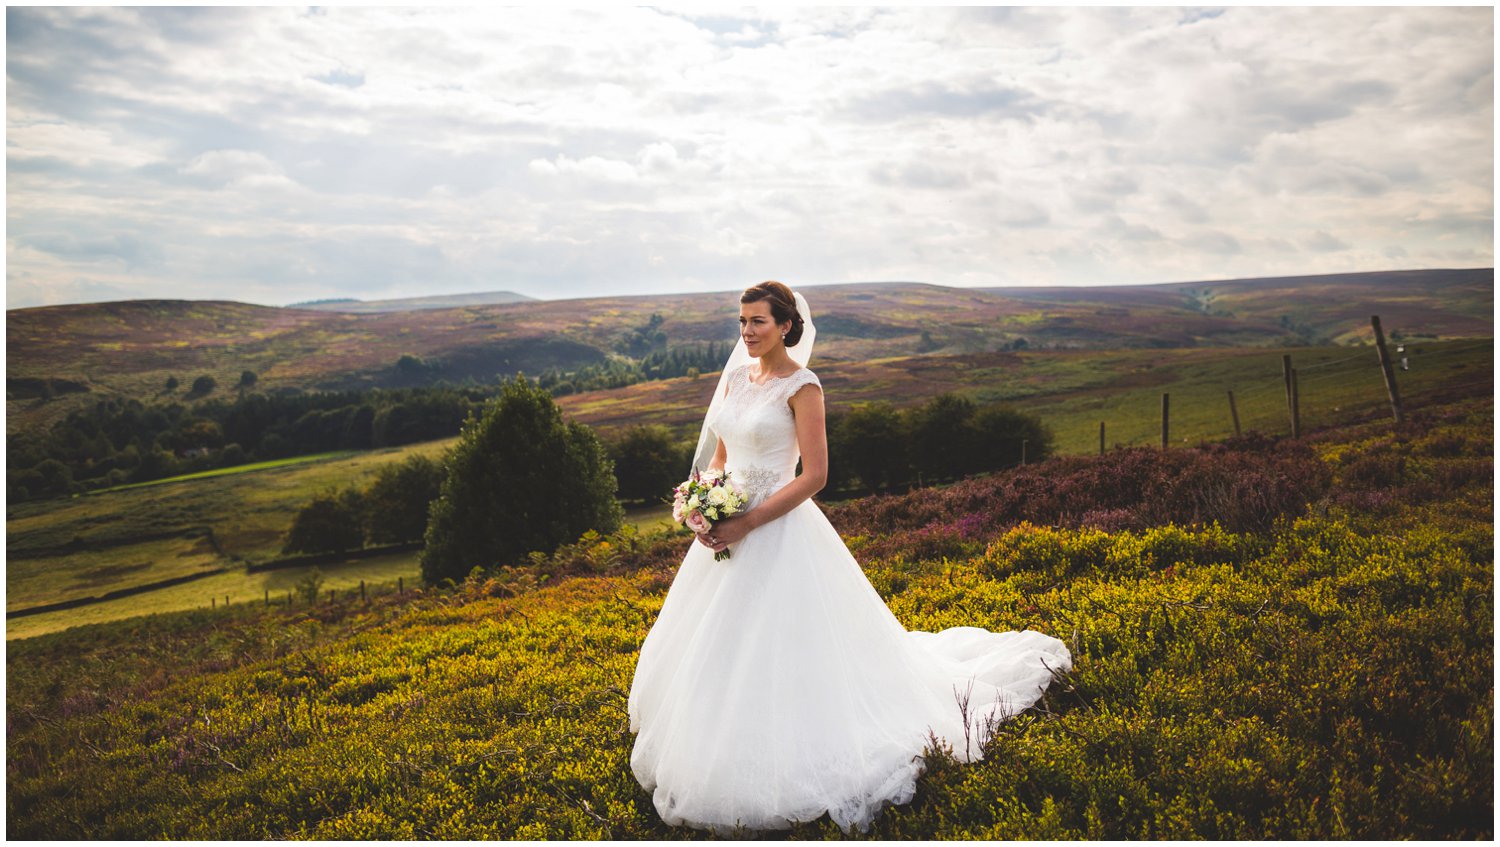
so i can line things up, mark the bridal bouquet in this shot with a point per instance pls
(706, 497)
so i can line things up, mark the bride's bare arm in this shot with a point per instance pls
(812, 442)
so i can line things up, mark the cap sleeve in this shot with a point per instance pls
(794, 383)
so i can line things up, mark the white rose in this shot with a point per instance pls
(718, 497)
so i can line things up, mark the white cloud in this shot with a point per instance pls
(592, 167)
(282, 154)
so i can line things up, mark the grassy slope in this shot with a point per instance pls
(1072, 390)
(249, 514)
(1329, 677)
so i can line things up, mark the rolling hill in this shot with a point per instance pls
(63, 357)
(411, 304)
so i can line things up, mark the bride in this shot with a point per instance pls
(776, 685)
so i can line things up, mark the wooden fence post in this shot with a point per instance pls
(400, 587)
(1023, 452)
(1385, 368)
(361, 591)
(268, 597)
(1296, 408)
(1101, 438)
(1164, 420)
(1234, 413)
(1286, 374)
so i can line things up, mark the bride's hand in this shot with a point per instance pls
(726, 532)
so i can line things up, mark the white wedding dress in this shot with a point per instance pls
(776, 685)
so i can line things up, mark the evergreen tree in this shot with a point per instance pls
(520, 479)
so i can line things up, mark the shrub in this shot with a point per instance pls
(310, 584)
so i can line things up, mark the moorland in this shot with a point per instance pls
(1274, 637)
(1074, 358)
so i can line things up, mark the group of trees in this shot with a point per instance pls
(118, 441)
(520, 479)
(615, 373)
(206, 384)
(392, 510)
(875, 447)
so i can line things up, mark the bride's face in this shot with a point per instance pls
(759, 328)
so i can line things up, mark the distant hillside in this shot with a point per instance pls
(412, 304)
(63, 357)
(1326, 309)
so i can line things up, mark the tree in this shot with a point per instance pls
(998, 432)
(874, 444)
(200, 432)
(331, 523)
(943, 443)
(171, 383)
(648, 462)
(247, 381)
(204, 384)
(520, 479)
(51, 477)
(396, 503)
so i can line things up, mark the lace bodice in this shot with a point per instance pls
(759, 433)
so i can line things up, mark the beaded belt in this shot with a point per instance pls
(756, 482)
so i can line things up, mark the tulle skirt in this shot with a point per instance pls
(776, 685)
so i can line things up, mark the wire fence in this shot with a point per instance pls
(1326, 390)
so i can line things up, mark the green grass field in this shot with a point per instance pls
(253, 466)
(1073, 390)
(233, 584)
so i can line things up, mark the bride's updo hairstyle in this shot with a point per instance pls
(783, 306)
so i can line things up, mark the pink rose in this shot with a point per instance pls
(677, 511)
(697, 523)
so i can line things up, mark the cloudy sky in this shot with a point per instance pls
(278, 155)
